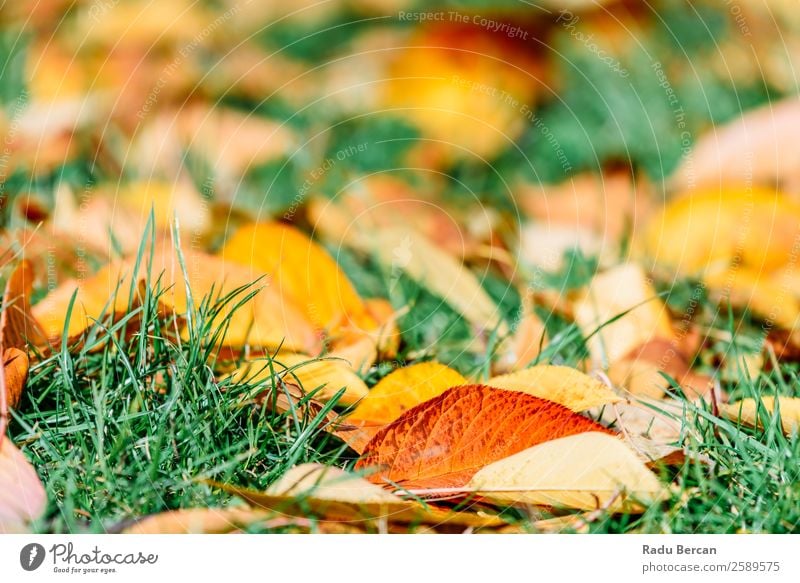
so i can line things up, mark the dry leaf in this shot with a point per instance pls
(394, 394)
(362, 348)
(524, 346)
(15, 369)
(640, 371)
(588, 471)
(265, 320)
(436, 82)
(705, 232)
(746, 412)
(22, 496)
(302, 272)
(116, 217)
(624, 289)
(443, 442)
(323, 378)
(403, 389)
(198, 521)
(408, 251)
(18, 327)
(331, 494)
(560, 384)
(758, 147)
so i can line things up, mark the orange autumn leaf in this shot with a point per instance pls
(443, 442)
(302, 271)
(15, 369)
(264, 320)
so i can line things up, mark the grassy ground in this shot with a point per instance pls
(131, 422)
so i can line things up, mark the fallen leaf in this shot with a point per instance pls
(330, 494)
(746, 412)
(524, 346)
(640, 372)
(322, 378)
(118, 215)
(404, 389)
(587, 471)
(303, 272)
(755, 148)
(446, 440)
(18, 327)
(265, 320)
(15, 369)
(704, 232)
(560, 384)
(22, 496)
(407, 251)
(626, 293)
(198, 521)
(435, 81)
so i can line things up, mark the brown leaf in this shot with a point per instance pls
(443, 442)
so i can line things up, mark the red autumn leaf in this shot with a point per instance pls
(443, 442)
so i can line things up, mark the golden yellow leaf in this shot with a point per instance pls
(560, 384)
(265, 320)
(704, 232)
(436, 82)
(746, 411)
(22, 496)
(586, 471)
(762, 294)
(403, 389)
(302, 271)
(324, 377)
(624, 289)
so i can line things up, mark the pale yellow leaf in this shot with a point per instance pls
(198, 521)
(561, 384)
(404, 250)
(624, 289)
(746, 410)
(586, 471)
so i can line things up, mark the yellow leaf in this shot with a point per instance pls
(406, 250)
(560, 384)
(327, 375)
(624, 289)
(403, 389)
(705, 231)
(746, 411)
(760, 293)
(586, 471)
(303, 272)
(264, 320)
